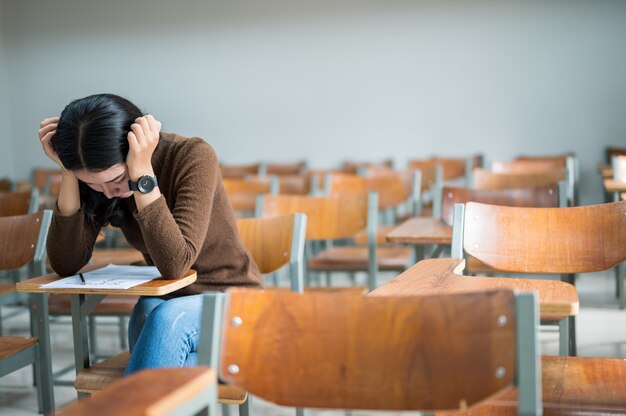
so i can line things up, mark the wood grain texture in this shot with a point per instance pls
(242, 192)
(14, 203)
(381, 234)
(546, 240)
(294, 184)
(540, 196)
(13, 345)
(577, 386)
(268, 240)
(393, 188)
(157, 287)
(485, 179)
(421, 230)
(239, 171)
(528, 165)
(285, 169)
(102, 374)
(152, 392)
(353, 352)
(18, 240)
(328, 217)
(443, 276)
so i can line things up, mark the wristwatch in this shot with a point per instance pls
(144, 184)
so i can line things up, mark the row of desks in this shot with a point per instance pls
(426, 277)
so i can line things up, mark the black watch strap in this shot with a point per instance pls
(144, 184)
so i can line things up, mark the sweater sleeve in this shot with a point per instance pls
(70, 242)
(174, 238)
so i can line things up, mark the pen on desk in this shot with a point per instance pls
(82, 279)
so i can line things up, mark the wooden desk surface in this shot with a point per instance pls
(435, 276)
(421, 230)
(612, 185)
(157, 287)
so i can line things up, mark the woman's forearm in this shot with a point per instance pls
(69, 195)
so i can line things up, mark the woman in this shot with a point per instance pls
(165, 193)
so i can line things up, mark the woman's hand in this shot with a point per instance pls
(48, 129)
(142, 139)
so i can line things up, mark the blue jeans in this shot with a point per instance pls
(164, 333)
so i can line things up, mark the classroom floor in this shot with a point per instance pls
(601, 332)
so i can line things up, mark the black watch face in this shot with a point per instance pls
(145, 184)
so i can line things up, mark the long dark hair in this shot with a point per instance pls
(92, 135)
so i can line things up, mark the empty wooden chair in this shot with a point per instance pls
(341, 351)
(354, 167)
(242, 193)
(22, 242)
(570, 385)
(338, 217)
(562, 241)
(549, 196)
(240, 171)
(285, 169)
(158, 392)
(485, 179)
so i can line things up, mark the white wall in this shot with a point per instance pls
(6, 141)
(329, 79)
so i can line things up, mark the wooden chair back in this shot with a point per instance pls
(22, 239)
(485, 179)
(295, 184)
(614, 151)
(18, 203)
(353, 167)
(542, 240)
(280, 169)
(275, 242)
(541, 196)
(240, 171)
(528, 166)
(6, 185)
(375, 353)
(328, 217)
(242, 193)
(40, 176)
(451, 168)
(393, 188)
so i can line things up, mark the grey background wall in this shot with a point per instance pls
(6, 144)
(328, 79)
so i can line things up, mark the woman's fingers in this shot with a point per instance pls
(49, 120)
(46, 129)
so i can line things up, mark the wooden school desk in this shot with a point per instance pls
(421, 231)
(84, 300)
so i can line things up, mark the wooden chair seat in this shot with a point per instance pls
(153, 392)
(12, 345)
(100, 375)
(356, 258)
(60, 304)
(570, 386)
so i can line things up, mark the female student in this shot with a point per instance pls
(165, 193)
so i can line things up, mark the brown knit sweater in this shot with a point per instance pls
(191, 225)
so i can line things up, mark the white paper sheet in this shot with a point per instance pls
(110, 277)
